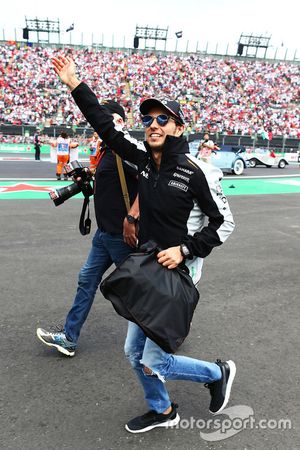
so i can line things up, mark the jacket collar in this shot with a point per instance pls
(172, 146)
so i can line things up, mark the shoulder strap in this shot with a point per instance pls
(123, 182)
(85, 224)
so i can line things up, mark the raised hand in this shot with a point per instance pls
(65, 68)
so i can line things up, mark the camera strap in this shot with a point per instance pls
(85, 224)
(123, 182)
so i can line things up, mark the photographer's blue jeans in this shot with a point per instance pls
(106, 250)
(142, 352)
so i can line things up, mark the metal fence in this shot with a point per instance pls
(178, 46)
(255, 141)
(25, 132)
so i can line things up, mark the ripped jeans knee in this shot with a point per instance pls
(156, 366)
(147, 371)
(151, 373)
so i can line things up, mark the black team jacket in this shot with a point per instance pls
(174, 201)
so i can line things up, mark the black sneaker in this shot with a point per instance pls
(220, 390)
(57, 339)
(152, 420)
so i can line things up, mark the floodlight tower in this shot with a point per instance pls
(44, 26)
(149, 33)
(252, 41)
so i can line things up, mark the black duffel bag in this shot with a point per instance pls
(161, 301)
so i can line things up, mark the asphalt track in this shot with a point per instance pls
(248, 312)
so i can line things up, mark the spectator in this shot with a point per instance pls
(206, 146)
(37, 145)
(220, 95)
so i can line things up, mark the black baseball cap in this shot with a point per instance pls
(114, 107)
(170, 105)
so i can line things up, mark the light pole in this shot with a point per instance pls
(178, 35)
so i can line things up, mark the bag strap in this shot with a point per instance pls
(100, 154)
(85, 224)
(123, 182)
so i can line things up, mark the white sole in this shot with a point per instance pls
(168, 424)
(232, 373)
(60, 349)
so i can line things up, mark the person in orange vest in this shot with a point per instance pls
(63, 145)
(95, 150)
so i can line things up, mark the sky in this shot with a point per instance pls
(212, 25)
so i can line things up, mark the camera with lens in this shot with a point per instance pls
(82, 177)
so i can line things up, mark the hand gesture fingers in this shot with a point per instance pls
(64, 67)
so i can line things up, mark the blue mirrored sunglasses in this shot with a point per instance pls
(162, 120)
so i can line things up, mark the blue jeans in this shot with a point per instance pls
(142, 352)
(106, 250)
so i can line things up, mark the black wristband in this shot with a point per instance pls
(130, 218)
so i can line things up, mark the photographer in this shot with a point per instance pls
(114, 239)
(176, 193)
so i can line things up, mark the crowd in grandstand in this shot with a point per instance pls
(220, 95)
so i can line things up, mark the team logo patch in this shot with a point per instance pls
(183, 169)
(220, 193)
(178, 185)
(182, 177)
(219, 189)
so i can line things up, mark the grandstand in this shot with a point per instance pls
(236, 100)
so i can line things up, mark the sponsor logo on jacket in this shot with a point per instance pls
(146, 171)
(220, 193)
(182, 177)
(178, 185)
(183, 169)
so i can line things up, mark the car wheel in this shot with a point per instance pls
(238, 167)
(282, 164)
(252, 162)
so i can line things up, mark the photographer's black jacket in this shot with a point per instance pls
(110, 209)
(175, 200)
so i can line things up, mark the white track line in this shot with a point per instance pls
(31, 179)
(260, 176)
(225, 178)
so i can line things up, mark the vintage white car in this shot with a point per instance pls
(228, 158)
(265, 157)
